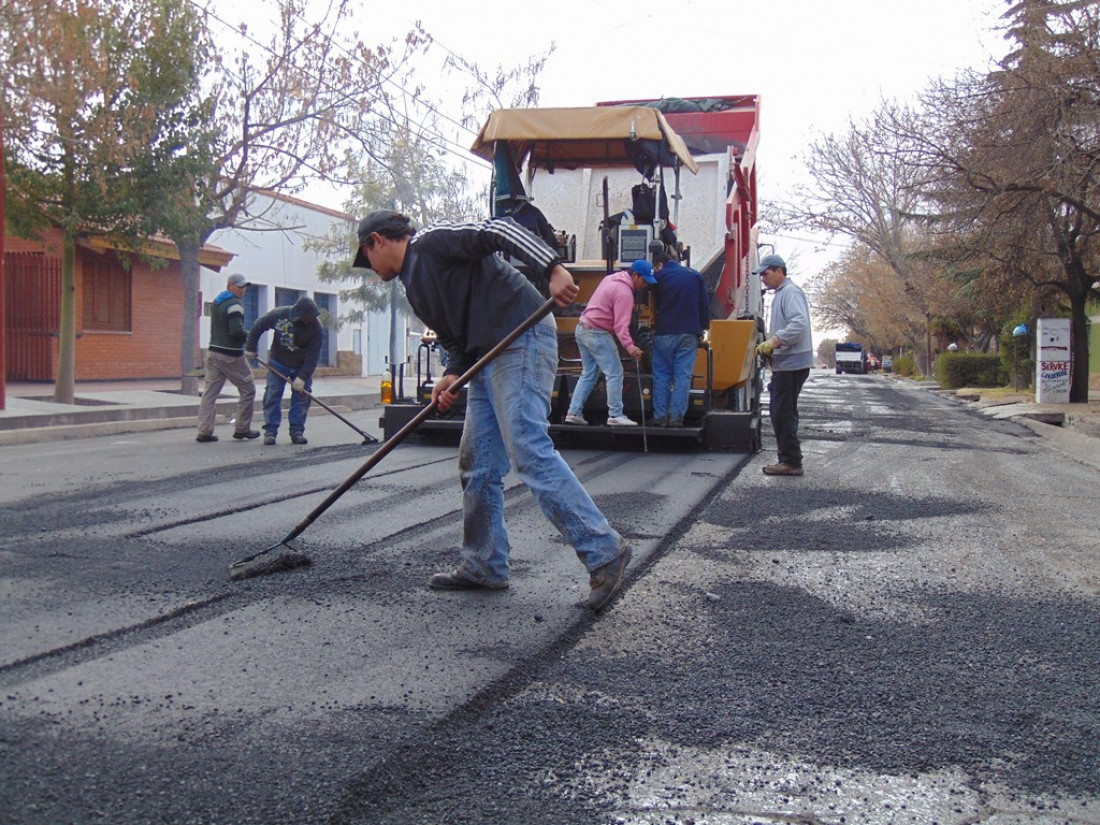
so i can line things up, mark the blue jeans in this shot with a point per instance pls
(599, 353)
(673, 364)
(273, 401)
(507, 410)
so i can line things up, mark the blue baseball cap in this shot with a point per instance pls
(643, 268)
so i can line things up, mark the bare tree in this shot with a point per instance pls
(409, 166)
(1012, 159)
(286, 107)
(94, 89)
(864, 188)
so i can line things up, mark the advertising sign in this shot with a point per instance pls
(1052, 361)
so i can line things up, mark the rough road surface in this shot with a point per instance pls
(908, 633)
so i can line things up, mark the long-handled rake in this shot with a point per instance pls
(367, 437)
(258, 565)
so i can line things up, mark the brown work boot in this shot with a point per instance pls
(606, 581)
(782, 470)
(457, 581)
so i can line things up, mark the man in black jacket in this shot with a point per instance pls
(295, 350)
(225, 361)
(472, 298)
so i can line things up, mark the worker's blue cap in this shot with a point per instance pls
(643, 268)
(767, 262)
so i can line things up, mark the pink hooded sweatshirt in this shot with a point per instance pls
(611, 306)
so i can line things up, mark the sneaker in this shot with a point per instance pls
(247, 434)
(575, 419)
(298, 438)
(605, 581)
(205, 438)
(456, 581)
(782, 470)
(621, 421)
(269, 441)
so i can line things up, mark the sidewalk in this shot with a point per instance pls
(1074, 429)
(111, 407)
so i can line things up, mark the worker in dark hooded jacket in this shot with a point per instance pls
(295, 351)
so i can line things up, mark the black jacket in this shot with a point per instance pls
(295, 344)
(470, 296)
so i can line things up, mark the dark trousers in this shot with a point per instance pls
(785, 387)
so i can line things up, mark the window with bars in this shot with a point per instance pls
(107, 295)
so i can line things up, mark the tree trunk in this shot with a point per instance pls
(189, 345)
(64, 388)
(1079, 346)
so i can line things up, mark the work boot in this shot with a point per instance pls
(269, 440)
(659, 422)
(782, 470)
(298, 438)
(246, 434)
(605, 581)
(458, 581)
(205, 438)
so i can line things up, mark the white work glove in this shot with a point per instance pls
(298, 384)
(251, 356)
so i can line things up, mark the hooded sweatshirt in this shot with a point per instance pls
(298, 336)
(611, 307)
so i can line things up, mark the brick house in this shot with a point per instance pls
(127, 317)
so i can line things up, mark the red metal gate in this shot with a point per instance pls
(32, 303)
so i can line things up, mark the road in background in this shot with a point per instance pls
(909, 633)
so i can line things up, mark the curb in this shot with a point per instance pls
(141, 420)
(1074, 445)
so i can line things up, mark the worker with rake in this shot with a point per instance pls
(473, 298)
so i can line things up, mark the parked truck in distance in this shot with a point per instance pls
(850, 357)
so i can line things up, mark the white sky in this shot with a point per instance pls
(814, 63)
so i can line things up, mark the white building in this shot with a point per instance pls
(274, 258)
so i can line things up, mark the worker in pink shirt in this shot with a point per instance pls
(604, 324)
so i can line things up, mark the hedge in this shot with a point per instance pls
(955, 370)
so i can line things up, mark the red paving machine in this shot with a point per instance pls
(613, 183)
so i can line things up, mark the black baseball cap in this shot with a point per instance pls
(377, 222)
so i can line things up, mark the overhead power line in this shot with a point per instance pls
(432, 136)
